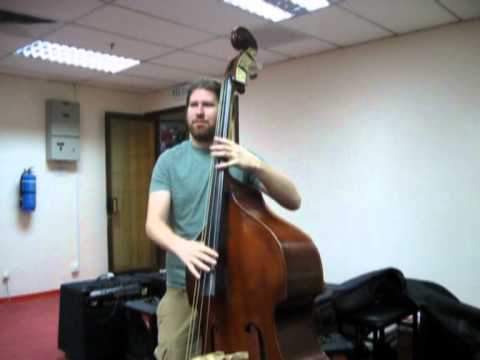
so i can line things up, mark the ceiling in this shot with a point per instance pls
(181, 40)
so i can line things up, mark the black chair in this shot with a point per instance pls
(326, 327)
(368, 304)
(375, 319)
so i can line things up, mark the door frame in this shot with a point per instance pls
(155, 117)
(109, 117)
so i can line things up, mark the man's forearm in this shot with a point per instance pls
(278, 186)
(162, 235)
(195, 255)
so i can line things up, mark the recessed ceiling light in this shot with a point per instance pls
(69, 55)
(278, 10)
(312, 5)
(261, 8)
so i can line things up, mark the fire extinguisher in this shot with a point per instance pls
(28, 190)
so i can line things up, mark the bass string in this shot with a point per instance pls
(199, 285)
(213, 220)
(214, 183)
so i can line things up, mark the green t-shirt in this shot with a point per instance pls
(184, 171)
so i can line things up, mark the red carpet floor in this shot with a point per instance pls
(28, 329)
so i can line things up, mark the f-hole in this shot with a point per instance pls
(258, 344)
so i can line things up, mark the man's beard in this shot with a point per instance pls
(202, 135)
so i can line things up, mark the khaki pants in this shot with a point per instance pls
(174, 315)
(173, 321)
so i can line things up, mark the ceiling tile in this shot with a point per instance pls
(128, 82)
(4, 69)
(223, 48)
(401, 16)
(466, 9)
(47, 67)
(213, 16)
(336, 26)
(191, 37)
(220, 48)
(265, 57)
(9, 43)
(272, 35)
(303, 47)
(79, 36)
(140, 26)
(65, 10)
(30, 31)
(162, 73)
(192, 62)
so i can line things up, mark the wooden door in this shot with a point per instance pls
(130, 159)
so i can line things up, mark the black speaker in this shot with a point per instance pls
(92, 316)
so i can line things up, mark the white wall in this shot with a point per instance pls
(37, 250)
(383, 142)
(162, 100)
(381, 139)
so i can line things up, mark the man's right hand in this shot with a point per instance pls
(196, 256)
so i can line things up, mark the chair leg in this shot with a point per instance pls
(414, 335)
(358, 340)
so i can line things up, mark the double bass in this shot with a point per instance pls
(258, 298)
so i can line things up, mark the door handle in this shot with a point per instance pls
(112, 206)
(115, 205)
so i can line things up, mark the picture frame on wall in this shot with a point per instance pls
(171, 133)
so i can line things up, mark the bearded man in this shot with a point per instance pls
(178, 200)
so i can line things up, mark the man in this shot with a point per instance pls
(177, 202)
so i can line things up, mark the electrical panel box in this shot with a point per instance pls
(63, 130)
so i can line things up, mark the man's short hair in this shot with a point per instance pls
(206, 84)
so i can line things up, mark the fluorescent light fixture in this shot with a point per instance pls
(73, 56)
(311, 5)
(261, 8)
(278, 10)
